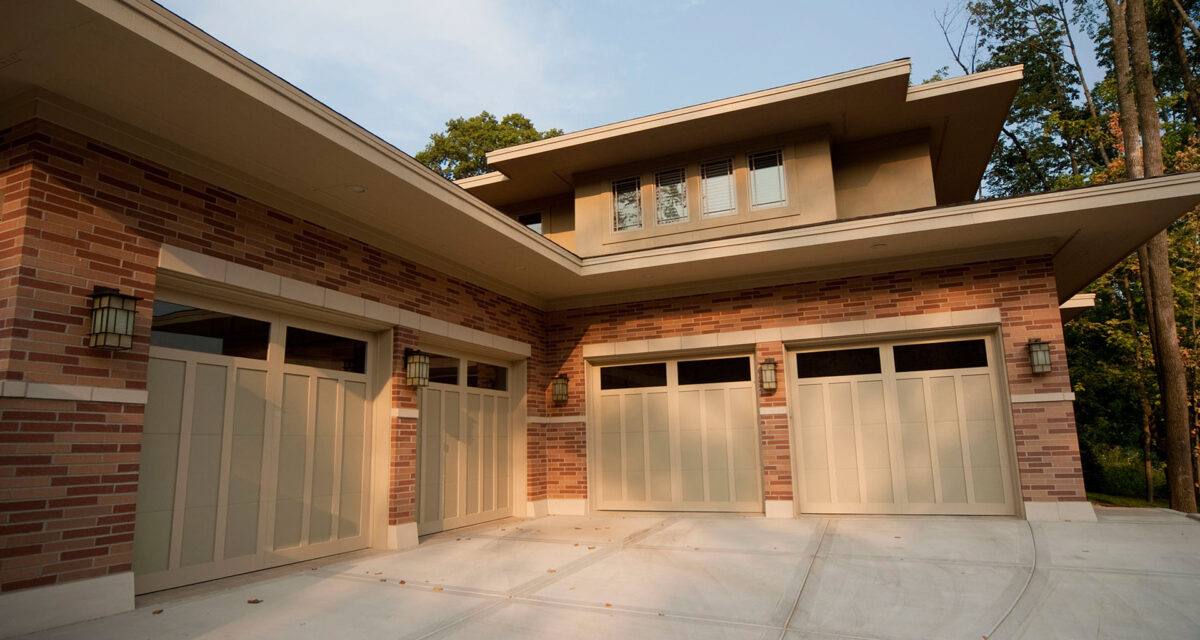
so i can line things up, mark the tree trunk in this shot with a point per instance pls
(1185, 66)
(1183, 14)
(1162, 316)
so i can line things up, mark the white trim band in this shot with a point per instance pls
(773, 411)
(1027, 398)
(405, 412)
(44, 391)
(750, 337)
(556, 419)
(198, 265)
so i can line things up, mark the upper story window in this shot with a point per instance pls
(532, 221)
(627, 204)
(670, 196)
(766, 178)
(716, 187)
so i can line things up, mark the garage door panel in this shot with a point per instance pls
(223, 489)
(464, 461)
(687, 439)
(942, 427)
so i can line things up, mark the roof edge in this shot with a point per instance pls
(900, 67)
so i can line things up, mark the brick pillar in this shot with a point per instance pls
(774, 436)
(402, 490)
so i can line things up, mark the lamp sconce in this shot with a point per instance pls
(416, 368)
(1039, 356)
(766, 376)
(558, 389)
(113, 314)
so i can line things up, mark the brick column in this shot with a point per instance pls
(774, 435)
(402, 490)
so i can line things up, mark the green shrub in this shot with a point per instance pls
(1120, 471)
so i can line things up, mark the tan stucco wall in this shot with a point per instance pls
(558, 217)
(882, 178)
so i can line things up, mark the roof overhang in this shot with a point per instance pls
(962, 116)
(160, 88)
(1076, 306)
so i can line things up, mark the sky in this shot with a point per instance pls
(401, 69)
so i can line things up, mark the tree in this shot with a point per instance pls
(1135, 358)
(461, 150)
(1162, 294)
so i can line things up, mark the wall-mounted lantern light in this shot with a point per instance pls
(1039, 356)
(113, 314)
(766, 375)
(416, 368)
(558, 389)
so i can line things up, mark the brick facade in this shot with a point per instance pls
(75, 213)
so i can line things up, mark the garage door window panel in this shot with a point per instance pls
(936, 356)
(179, 326)
(714, 371)
(838, 362)
(325, 351)
(634, 376)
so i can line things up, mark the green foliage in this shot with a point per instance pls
(1054, 140)
(1120, 471)
(461, 150)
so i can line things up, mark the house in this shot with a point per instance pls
(240, 331)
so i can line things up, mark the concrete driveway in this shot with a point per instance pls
(1135, 574)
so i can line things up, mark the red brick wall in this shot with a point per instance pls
(75, 213)
(1023, 290)
(68, 483)
(773, 432)
(535, 461)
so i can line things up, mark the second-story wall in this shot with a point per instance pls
(821, 180)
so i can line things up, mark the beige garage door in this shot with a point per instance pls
(255, 444)
(465, 456)
(904, 427)
(677, 435)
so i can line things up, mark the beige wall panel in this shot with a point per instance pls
(634, 453)
(204, 466)
(320, 518)
(471, 433)
(984, 437)
(885, 180)
(875, 444)
(453, 453)
(914, 436)
(487, 441)
(691, 447)
(245, 468)
(431, 455)
(658, 447)
(158, 465)
(293, 461)
(716, 445)
(503, 449)
(352, 467)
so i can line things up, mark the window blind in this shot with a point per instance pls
(766, 178)
(627, 204)
(670, 195)
(716, 186)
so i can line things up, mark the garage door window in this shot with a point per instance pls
(180, 326)
(960, 354)
(633, 376)
(481, 375)
(443, 369)
(325, 351)
(714, 371)
(841, 362)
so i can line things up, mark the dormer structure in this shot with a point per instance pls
(854, 144)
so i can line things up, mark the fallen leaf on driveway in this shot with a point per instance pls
(157, 611)
(253, 601)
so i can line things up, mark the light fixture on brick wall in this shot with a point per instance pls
(766, 376)
(113, 314)
(558, 389)
(416, 368)
(1039, 356)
